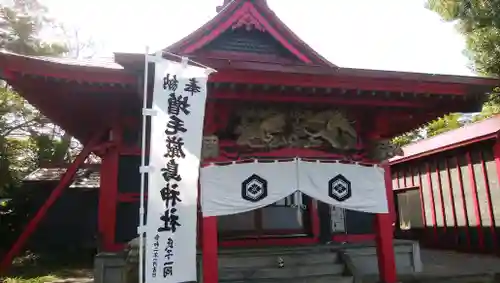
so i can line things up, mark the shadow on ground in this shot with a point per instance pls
(35, 268)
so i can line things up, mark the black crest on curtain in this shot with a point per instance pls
(339, 188)
(254, 188)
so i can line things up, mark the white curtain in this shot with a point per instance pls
(237, 188)
(349, 186)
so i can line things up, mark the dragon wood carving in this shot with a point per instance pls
(383, 149)
(271, 129)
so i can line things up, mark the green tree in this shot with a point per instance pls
(443, 124)
(408, 138)
(27, 138)
(21, 25)
(479, 22)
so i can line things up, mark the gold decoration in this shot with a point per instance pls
(383, 149)
(210, 147)
(268, 128)
(333, 127)
(261, 129)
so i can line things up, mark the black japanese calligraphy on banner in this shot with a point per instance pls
(176, 134)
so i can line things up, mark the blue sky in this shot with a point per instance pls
(383, 34)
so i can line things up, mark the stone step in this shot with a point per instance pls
(271, 260)
(279, 273)
(276, 250)
(311, 279)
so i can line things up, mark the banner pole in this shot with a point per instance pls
(143, 161)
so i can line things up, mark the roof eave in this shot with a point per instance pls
(37, 66)
(403, 159)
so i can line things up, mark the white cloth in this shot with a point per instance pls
(238, 188)
(171, 255)
(349, 186)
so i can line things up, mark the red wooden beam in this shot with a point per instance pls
(311, 99)
(404, 177)
(210, 250)
(490, 202)
(496, 154)
(112, 194)
(421, 191)
(397, 179)
(452, 198)
(108, 198)
(384, 236)
(473, 190)
(390, 193)
(433, 204)
(332, 80)
(440, 192)
(412, 181)
(33, 223)
(464, 203)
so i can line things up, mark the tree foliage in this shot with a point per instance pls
(21, 26)
(479, 22)
(443, 124)
(27, 138)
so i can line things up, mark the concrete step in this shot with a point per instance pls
(280, 273)
(244, 252)
(271, 260)
(311, 279)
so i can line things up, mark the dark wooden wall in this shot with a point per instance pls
(450, 199)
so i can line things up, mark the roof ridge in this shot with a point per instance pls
(264, 15)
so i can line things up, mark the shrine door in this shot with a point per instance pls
(289, 217)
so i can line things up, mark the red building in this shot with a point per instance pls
(261, 64)
(447, 189)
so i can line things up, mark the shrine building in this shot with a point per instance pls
(271, 97)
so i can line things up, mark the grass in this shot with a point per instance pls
(31, 268)
(42, 279)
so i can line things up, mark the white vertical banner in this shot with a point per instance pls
(176, 134)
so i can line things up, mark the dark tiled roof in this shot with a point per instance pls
(85, 177)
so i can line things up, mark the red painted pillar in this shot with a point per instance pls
(210, 250)
(435, 239)
(473, 188)
(107, 199)
(390, 193)
(384, 237)
(496, 154)
(490, 202)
